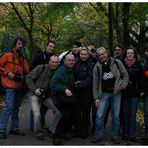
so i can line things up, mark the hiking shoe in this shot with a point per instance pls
(116, 140)
(3, 136)
(17, 132)
(57, 141)
(96, 140)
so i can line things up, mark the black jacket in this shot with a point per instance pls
(41, 58)
(83, 72)
(136, 80)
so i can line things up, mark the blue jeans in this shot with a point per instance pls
(145, 106)
(101, 111)
(130, 109)
(13, 100)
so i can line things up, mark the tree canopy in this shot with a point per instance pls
(103, 24)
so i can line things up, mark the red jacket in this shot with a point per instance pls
(11, 62)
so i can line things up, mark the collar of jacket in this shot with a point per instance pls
(69, 70)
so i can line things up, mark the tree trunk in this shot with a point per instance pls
(110, 18)
(125, 19)
(116, 25)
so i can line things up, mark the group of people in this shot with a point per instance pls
(82, 82)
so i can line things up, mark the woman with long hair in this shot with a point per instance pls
(132, 92)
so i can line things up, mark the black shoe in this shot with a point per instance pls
(39, 135)
(76, 135)
(3, 136)
(57, 141)
(95, 140)
(116, 140)
(84, 136)
(133, 139)
(50, 133)
(125, 138)
(17, 132)
(145, 137)
(31, 129)
(65, 136)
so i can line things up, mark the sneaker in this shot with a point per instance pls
(17, 132)
(57, 141)
(96, 140)
(3, 136)
(116, 140)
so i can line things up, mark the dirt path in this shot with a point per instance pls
(30, 140)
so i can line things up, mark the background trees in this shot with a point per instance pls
(104, 24)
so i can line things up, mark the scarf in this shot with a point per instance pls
(129, 63)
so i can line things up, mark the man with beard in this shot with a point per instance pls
(13, 66)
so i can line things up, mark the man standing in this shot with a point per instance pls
(118, 54)
(13, 66)
(42, 58)
(109, 78)
(62, 93)
(38, 82)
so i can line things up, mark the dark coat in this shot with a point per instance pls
(136, 80)
(83, 73)
(41, 58)
(62, 79)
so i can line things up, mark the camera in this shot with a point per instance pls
(43, 94)
(17, 77)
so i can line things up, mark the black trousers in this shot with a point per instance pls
(84, 108)
(68, 109)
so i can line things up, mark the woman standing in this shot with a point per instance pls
(83, 83)
(131, 93)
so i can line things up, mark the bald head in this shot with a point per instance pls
(69, 60)
(54, 62)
